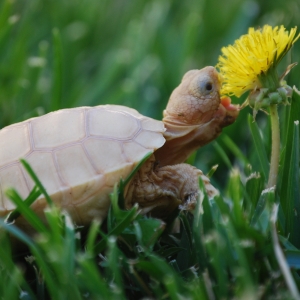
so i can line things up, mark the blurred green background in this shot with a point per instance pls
(62, 53)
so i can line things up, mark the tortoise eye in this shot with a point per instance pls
(208, 86)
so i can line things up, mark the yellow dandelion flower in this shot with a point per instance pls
(243, 64)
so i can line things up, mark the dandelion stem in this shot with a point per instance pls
(275, 146)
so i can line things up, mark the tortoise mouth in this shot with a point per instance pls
(227, 112)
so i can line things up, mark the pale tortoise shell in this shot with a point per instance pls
(78, 154)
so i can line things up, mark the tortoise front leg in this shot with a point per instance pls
(162, 189)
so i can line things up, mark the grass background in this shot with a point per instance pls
(59, 53)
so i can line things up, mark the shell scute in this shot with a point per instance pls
(14, 143)
(57, 129)
(150, 139)
(69, 173)
(112, 124)
(44, 166)
(152, 125)
(106, 155)
(12, 177)
(134, 151)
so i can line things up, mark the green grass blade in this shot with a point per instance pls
(261, 215)
(131, 215)
(172, 287)
(198, 230)
(91, 238)
(188, 231)
(168, 251)
(223, 155)
(69, 242)
(91, 280)
(234, 148)
(26, 211)
(217, 252)
(123, 183)
(56, 255)
(245, 276)
(11, 274)
(235, 192)
(212, 171)
(19, 234)
(259, 146)
(288, 191)
(116, 213)
(198, 290)
(207, 215)
(113, 270)
(281, 260)
(286, 243)
(48, 274)
(254, 187)
(150, 230)
(290, 196)
(55, 224)
(36, 180)
(159, 270)
(136, 168)
(34, 194)
(12, 289)
(292, 115)
(36, 251)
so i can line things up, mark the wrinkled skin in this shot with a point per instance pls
(193, 117)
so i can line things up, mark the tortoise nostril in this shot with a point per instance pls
(186, 198)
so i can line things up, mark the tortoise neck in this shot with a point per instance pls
(181, 141)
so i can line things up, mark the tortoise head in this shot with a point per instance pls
(195, 115)
(196, 99)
